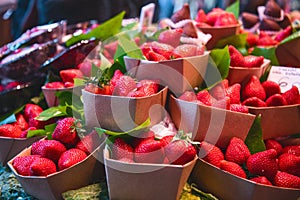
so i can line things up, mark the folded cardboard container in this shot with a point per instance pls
(137, 181)
(226, 186)
(178, 74)
(213, 125)
(117, 113)
(288, 53)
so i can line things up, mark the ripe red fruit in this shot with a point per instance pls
(262, 180)
(201, 16)
(165, 50)
(211, 154)
(263, 163)
(233, 92)
(9, 130)
(271, 88)
(225, 19)
(149, 151)
(239, 108)
(232, 168)
(283, 179)
(204, 97)
(148, 87)
(254, 102)
(188, 96)
(22, 164)
(120, 149)
(70, 158)
(85, 68)
(21, 122)
(283, 34)
(42, 167)
(236, 58)
(213, 15)
(89, 142)
(237, 151)
(65, 132)
(274, 144)
(144, 135)
(252, 39)
(171, 37)
(68, 75)
(292, 149)
(251, 61)
(253, 88)
(276, 100)
(289, 163)
(291, 96)
(32, 111)
(124, 85)
(24, 133)
(222, 103)
(180, 152)
(51, 149)
(55, 85)
(219, 91)
(188, 50)
(153, 56)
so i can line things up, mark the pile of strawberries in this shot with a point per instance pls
(25, 121)
(276, 165)
(148, 149)
(63, 151)
(123, 85)
(238, 60)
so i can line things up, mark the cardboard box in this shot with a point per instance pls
(219, 33)
(278, 121)
(10, 147)
(288, 53)
(53, 185)
(226, 186)
(178, 74)
(117, 113)
(241, 74)
(213, 125)
(137, 181)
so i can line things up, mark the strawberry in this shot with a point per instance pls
(105, 90)
(89, 142)
(262, 180)
(55, 85)
(188, 96)
(21, 122)
(251, 61)
(276, 100)
(25, 132)
(239, 108)
(153, 56)
(9, 130)
(289, 163)
(166, 140)
(149, 151)
(252, 39)
(113, 81)
(51, 149)
(32, 111)
(180, 152)
(237, 151)
(263, 163)
(225, 19)
(68, 84)
(232, 168)
(70, 158)
(292, 149)
(222, 104)
(146, 48)
(283, 179)
(271, 88)
(253, 88)
(254, 102)
(86, 68)
(120, 149)
(291, 96)
(213, 15)
(68, 75)
(218, 91)
(11, 85)
(265, 39)
(274, 144)
(236, 58)
(22, 164)
(170, 37)
(136, 93)
(204, 97)
(283, 34)
(124, 86)
(233, 92)
(188, 50)
(165, 50)
(211, 154)
(65, 132)
(148, 87)
(201, 16)
(42, 167)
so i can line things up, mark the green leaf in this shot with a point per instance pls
(65, 97)
(221, 59)
(78, 82)
(34, 133)
(239, 41)
(234, 8)
(254, 140)
(104, 31)
(291, 37)
(105, 63)
(56, 111)
(268, 53)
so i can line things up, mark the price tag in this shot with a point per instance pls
(146, 16)
(286, 77)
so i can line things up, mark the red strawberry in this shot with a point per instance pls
(153, 56)
(120, 149)
(25, 132)
(225, 19)
(89, 142)
(32, 111)
(236, 58)
(239, 108)
(55, 85)
(284, 34)
(222, 104)
(253, 88)
(180, 152)
(166, 140)
(105, 90)
(68, 75)
(124, 86)
(262, 180)
(68, 85)
(188, 50)
(146, 48)
(213, 15)
(51, 149)
(254, 102)
(9, 130)
(165, 50)
(136, 93)
(218, 91)
(265, 40)
(233, 92)
(237, 151)
(148, 87)
(293, 149)
(113, 81)
(188, 96)
(204, 97)
(263, 163)
(11, 85)
(252, 39)
(253, 61)
(21, 122)
(42, 167)
(273, 144)
(149, 151)
(289, 163)
(276, 100)
(70, 158)
(271, 88)
(22, 164)
(232, 168)
(291, 96)
(283, 179)
(171, 37)
(211, 154)
(65, 132)
(201, 16)
(85, 68)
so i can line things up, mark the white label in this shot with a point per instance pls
(146, 16)
(286, 77)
